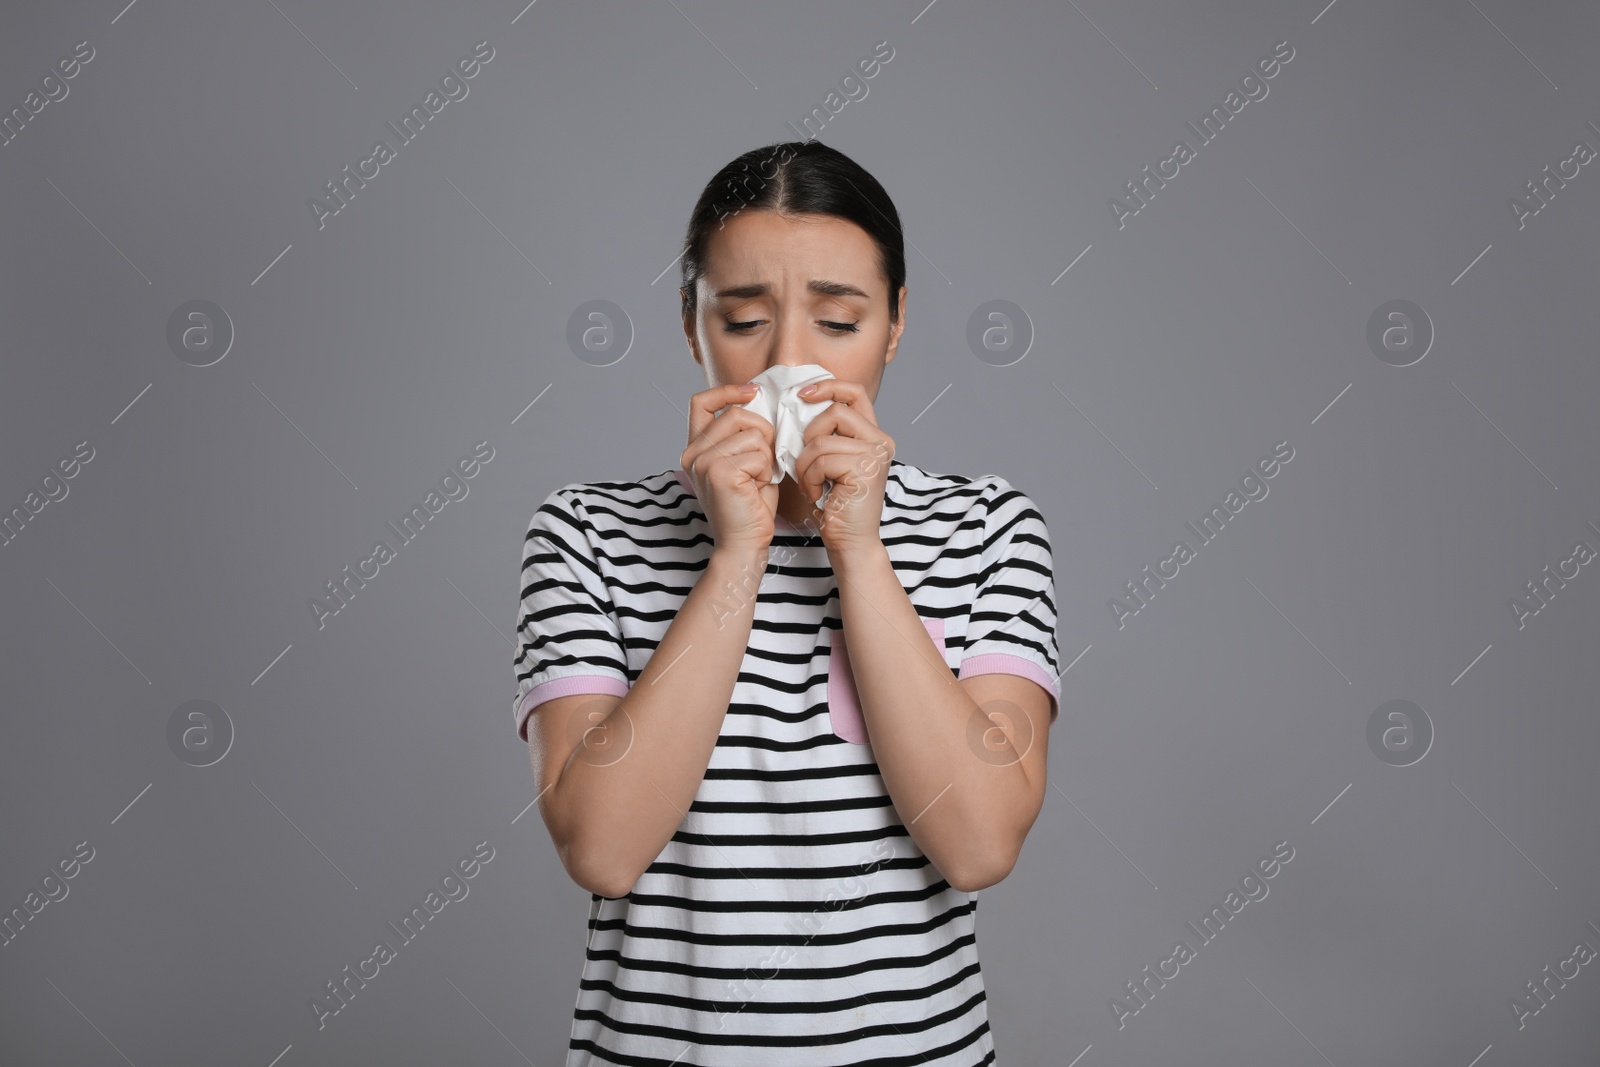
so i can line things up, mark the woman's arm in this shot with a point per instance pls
(612, 799)
(963, 760)
(968, 787)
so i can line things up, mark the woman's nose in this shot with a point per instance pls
(791, 349)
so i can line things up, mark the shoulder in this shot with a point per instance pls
(645, 521)
(984, 516)
(923, 492)
(610, 503)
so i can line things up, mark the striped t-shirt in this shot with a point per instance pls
(791, 919)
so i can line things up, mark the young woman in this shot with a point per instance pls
(785, 746)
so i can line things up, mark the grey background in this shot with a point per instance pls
(1228, 315)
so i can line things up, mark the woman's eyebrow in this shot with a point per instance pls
(819, 286)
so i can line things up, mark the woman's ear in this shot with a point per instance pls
(896, 330)
(689, 333)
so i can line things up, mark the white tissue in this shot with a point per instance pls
(789, 414)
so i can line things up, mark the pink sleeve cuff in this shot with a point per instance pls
(1002, 663)
(572, 685)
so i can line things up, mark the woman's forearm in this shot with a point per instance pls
(621, 812)
(962, 811)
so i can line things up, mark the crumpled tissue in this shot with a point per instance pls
(789, 414)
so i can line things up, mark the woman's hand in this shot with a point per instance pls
(731, 458)
(844, 445)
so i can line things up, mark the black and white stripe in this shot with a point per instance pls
(791, 919)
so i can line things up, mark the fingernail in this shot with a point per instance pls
(808, 390)
(749, 387)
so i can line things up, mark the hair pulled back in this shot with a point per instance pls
(796, 178)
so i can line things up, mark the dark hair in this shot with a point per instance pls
(796, 178)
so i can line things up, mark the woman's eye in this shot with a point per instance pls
(841, 327)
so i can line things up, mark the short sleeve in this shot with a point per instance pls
(568, 638)
(1011, 628)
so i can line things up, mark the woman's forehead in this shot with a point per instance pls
(828, 255)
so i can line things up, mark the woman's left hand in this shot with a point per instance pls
(844, 445)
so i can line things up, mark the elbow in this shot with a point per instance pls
(613, 888)
(972, 881)
(610, 890)
(598, 874)
(982, 873)
(593, 868)
(588, 854)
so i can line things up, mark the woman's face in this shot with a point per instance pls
(791, 290)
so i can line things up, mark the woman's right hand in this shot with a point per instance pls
(731, 459)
